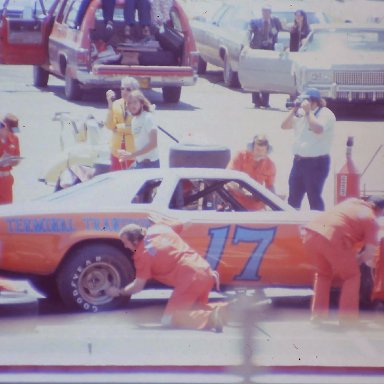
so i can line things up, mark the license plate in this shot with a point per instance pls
(143, 82)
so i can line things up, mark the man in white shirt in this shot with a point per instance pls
(313, 124)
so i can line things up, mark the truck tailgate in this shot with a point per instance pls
(154, 74)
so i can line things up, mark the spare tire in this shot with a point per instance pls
(198, 156)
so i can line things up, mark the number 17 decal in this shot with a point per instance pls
(261, 237)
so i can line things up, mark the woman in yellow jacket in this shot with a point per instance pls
(119, 122)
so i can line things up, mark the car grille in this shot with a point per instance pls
(359, 78)
(355, 96)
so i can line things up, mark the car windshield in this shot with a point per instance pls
(351, 40)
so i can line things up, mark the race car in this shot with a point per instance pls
(67, 242)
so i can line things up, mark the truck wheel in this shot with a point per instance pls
(231, 78)
(86, 275)
(40, 77)
(171, 94)
(201, 66)
(199, 156)
(72, 88)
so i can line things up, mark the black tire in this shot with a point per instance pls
(72, 88)
(18, 304)
(171, 94)
(199, 156)
(88, 272)
(201, 66)
(40, 77)
(230, 77)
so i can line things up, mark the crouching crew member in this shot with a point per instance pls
(161, 254)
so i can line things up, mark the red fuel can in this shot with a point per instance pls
(347, 183)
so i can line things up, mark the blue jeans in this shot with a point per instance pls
(147, 164)
(108, 7)
(143, 8)
(308, 175)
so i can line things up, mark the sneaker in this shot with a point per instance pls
(109, 27)
(217, 320)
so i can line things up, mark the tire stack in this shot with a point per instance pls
(198, 156)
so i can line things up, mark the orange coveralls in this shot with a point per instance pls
(8, 148)
(263, 171)
(332, 240)
(164, 256)
(119, 122)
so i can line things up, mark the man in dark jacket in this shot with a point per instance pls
(263, 35)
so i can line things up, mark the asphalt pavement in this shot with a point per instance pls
(261, 344)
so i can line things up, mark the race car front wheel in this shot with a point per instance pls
(86, 275)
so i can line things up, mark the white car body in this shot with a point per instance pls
(345, 62)
(220, 38)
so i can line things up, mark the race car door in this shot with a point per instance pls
(24, 34)
(264, 70)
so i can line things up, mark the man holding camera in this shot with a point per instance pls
(313, 124)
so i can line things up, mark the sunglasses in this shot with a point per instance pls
(126, 89)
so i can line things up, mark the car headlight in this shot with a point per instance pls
(319, 76)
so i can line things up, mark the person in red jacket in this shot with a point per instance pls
(255, 162)
(9, 156)
(161, 254)
(339, 240)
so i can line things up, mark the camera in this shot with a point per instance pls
(295, 103)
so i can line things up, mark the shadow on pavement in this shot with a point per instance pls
(96, 97)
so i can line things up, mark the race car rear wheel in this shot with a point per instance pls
(198, 156)
(86, 275)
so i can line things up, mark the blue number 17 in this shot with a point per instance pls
(261, 237)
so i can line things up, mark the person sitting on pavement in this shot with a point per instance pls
(255, 162)
(9, 156)
(160, 253)
(119, 122)
(144, 131)
(332, 240)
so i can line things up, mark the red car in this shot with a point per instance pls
(58, 40)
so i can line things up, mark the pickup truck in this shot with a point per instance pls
(58, 39)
